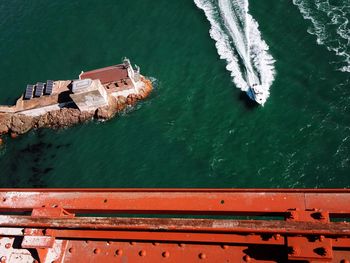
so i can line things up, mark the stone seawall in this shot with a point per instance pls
(17, 123)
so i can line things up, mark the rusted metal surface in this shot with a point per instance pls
(282, 225)
(171, 224)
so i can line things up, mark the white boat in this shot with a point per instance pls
(256, 91)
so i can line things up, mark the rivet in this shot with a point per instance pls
(277, 236)
(155, 244)
(3, 259)
(165, 254)
(105, 201)
(202, 256)
(4, 199)
(181, 245)
(119, 252)
(321, 238)
(247, 258)
(224, 246)
(132, 243)
(142, 253)
(97, 251)
(71, 249)
(8, 245)
(344, 261)
(222, 202)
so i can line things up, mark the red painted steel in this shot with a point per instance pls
(225, 201)
(107, 74)
(283, 225)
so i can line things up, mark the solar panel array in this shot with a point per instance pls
(29, 92)
(49, 87)
(39, 89)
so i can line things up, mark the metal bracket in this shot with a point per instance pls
(309, 248)
(42, 240)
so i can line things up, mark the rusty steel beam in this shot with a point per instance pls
(181, 224)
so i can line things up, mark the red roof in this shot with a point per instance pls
(108, 74)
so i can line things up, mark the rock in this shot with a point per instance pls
(112, 102)
(41, 121)
(120, 106)
(142, 93)
(85, 116)
(121, 100)
(63, 118)
(131, 99)
(21, 123)
(3, 129)
(67, 117)
(5, 122)
(104, 113)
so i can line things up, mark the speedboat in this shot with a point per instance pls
(257, 93)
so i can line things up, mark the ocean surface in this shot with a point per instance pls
(198, 128)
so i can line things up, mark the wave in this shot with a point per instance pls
(239, 42)
(330, 24)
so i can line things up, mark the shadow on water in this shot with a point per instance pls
(248, 103)
(9, 101)
(35, 160)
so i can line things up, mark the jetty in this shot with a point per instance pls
(96, 94)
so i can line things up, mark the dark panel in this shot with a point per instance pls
(39, 89)
(29, 92)
(49, 87)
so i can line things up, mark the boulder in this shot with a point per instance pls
(104, 113)
(131, 99)
(21, 123)
(86, 115)
(5, 123)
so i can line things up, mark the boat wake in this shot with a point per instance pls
(239, 42)
(330, 24)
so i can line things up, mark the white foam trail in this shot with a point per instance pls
(239, 42)
(330, 24)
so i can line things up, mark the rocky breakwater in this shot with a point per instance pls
(17, 123)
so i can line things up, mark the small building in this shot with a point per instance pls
(108, 74)
(123, 76)
(89, 94)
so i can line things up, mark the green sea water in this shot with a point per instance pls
(196, 129)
